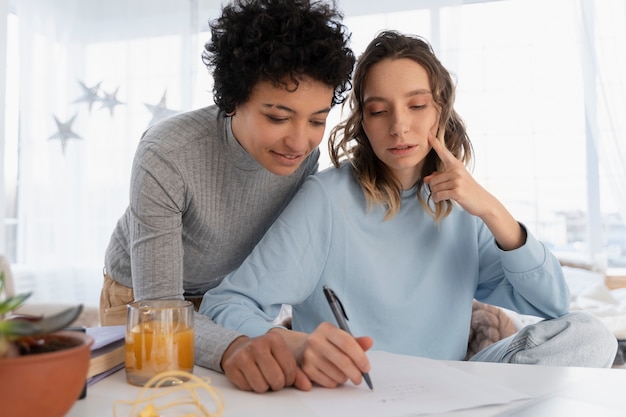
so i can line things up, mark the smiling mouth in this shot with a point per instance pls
(287, 156)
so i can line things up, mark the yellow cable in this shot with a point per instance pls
(184, 383)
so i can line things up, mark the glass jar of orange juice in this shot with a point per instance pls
(159, 338)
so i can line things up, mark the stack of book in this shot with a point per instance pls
(107, 352)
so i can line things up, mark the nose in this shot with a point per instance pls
(399, 123)
(299, 138)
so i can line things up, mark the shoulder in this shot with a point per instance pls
(321, 195)
(183, 129)
(332, 173)
(335, 182)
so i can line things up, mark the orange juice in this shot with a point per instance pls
(153, 347)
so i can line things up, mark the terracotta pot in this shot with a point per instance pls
(45, 384)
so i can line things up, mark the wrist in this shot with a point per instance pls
(295, 340)
(232, 348)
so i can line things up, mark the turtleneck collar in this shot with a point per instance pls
(232, 149)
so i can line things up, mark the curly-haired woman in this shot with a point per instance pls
(208, 183)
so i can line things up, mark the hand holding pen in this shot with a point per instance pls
(341, 317)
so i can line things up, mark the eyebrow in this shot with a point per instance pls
(419, 91)
(325, 110)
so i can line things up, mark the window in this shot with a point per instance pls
(539, 86)
(524, 92)
(8, 203)
(87, 91)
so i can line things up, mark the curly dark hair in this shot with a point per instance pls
(277, 41)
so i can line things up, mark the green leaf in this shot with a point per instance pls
(12, 303)
(19, 327)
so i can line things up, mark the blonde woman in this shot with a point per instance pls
(406, 238)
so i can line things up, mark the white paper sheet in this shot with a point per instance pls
(408, 385)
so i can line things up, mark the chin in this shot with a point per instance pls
(282, 171)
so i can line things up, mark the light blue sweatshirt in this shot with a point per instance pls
(406, 282)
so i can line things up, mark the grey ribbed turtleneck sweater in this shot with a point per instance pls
(199, 203)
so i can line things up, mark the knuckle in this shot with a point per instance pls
(325, 326)
(277, 384)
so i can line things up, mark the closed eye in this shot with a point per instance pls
(317, 123)
(277, 120)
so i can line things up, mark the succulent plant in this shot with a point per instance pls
(16, 329)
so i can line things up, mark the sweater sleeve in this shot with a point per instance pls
(284, 267)
(156, 206)
(211, 341)
(528, 280)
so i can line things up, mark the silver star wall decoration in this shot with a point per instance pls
(64, 132)
(160, 111)
(90, 94)
(110, 101)
(94, 93)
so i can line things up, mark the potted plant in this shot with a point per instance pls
(42, 367)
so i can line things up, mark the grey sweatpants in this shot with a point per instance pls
(576, 339)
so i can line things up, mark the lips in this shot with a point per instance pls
(401, 147)
(287, 158)
(402, 150)
(286, 155)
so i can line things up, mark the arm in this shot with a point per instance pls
(285, 268)
(455, 183)
(156, 206)
(519, 273)
(528, 280)
(156, 247)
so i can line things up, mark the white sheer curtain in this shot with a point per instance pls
(521, 90)
(73, 177)
(603, 52)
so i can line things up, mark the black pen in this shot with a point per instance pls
(341, 317)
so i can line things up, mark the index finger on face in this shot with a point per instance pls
(439, 146)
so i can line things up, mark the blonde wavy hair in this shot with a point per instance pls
(349, 141)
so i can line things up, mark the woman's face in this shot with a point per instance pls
(398, 114)
(280, 127)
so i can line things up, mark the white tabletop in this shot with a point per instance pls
(603, 386)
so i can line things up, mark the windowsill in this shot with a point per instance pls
(615, 278)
